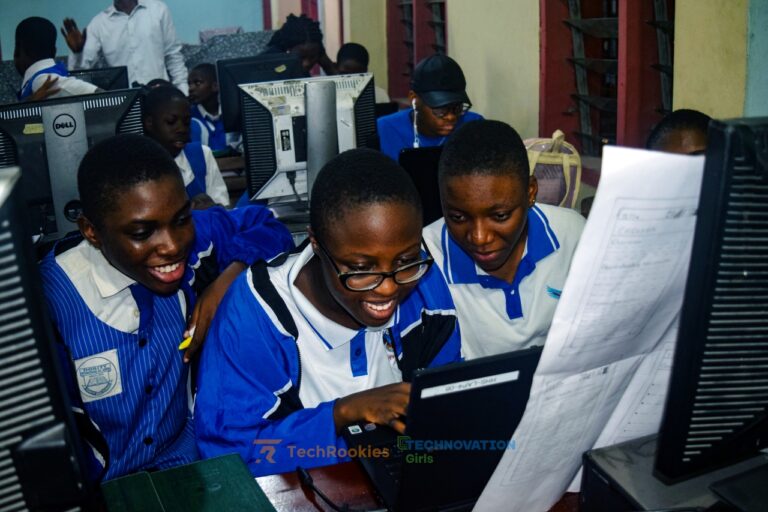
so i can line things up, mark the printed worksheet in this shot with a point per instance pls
(608, 352)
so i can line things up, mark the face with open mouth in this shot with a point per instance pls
(486, 216)
(379, 237)
(148, 233)
(169, 125)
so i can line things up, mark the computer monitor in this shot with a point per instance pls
(48, 139)
(275, 130)
(109, 79)
(41, 456)
(716, 411)
(246, 70)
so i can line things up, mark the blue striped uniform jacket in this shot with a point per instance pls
(129, 389)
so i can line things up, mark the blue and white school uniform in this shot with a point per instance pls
(208, 129)
(499, 317)
(36, 75)
(273, 365)
(132, 392)
(201, 173)
(396, 132)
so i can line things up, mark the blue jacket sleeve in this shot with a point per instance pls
(248, 372)
(247, 234)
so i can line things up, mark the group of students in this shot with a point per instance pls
(298, 342)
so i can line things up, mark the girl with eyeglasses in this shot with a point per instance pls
(328, 336)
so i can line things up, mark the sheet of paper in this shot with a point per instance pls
(621, 299)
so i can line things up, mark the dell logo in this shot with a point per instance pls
(64, 125)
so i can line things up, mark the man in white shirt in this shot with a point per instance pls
(138, 34)
(33, 57)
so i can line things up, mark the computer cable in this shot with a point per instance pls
(306, 479)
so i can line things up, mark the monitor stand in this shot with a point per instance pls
(621, 477)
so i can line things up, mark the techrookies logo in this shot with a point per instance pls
(413, 451)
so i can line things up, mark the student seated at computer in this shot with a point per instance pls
(505, 257)
(166, 118)
(301, 36)
(353, 58)
(124, 290)
(33, 57)
(439, 105)
(207, 126)
(683, 131)
(324, 337)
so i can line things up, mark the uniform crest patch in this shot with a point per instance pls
(98, 376)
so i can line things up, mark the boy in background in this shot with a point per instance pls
(207, 125)
(143, 273)
(167, 119)
(439, 105)
(33, 57)
(505, 257)
(683, 131)
(353, 58)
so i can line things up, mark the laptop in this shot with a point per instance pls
(421, 165)
(460, 421)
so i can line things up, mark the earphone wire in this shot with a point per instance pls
(415, 129)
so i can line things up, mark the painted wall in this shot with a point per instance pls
(365, 22)
(496, 42)
(189, 16)
(710, 56)
(281, 9)
(756, 102)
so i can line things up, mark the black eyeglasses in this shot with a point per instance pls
(457, 109)
(362, 281)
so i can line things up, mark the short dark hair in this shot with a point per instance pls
(295, 31)
(355, 52)
(683, 119)
(207, 69)
(356, 178)
(158, 97)
(483, 147)
(117, 164)
(37, 37)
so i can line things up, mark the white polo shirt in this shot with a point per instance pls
(215, 186)
(496, 316)
(335, 360)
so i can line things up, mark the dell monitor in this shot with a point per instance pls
(275, 130)
(48, 139)
(41, 455)
(266, 67)
(108, 79)
(716, 411)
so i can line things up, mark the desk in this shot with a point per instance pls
(343, 483)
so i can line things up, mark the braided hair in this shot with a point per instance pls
(297, 30)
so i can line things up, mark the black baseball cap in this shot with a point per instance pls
(439, 81)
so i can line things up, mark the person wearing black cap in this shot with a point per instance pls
(439, 105)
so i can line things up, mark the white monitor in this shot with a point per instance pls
(275, 130)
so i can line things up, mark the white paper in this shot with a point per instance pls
(603, 358)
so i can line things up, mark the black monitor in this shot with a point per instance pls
(275, 130)
(716, 411)
(41, 456)
(266, 67)
(108, 79)
(48, 139)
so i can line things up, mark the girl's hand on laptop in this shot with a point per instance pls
(385, 405)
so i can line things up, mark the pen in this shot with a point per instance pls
(188, 340)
